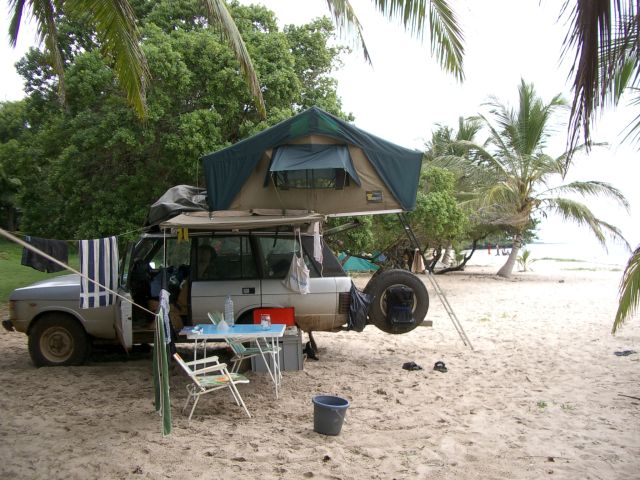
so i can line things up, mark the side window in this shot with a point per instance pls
(277, 252)
(148, 267)
(176, 267)
(225, 258)
(177, 255)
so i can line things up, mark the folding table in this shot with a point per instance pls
(243, 333)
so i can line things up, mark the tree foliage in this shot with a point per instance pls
(115, 23)
(438, 218)
(92, 168)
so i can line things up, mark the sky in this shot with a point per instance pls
(405, 94)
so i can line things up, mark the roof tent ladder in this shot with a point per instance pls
(436, 286)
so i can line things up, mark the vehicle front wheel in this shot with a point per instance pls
(58, 340)
(378, 287)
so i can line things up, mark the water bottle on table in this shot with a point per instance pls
(228, 311)
(265, 321)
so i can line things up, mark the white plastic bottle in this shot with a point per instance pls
(228, 311)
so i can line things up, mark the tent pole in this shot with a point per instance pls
(436, 286)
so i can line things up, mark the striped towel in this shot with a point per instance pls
(98, 262)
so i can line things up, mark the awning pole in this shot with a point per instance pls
(436, 286)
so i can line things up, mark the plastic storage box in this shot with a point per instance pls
(278, 315)
(290, 354)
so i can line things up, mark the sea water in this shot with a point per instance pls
(576, 251)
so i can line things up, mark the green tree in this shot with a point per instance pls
(92, 168)
(437, 216)
(14, 129)
(114, 22)
(517, 171)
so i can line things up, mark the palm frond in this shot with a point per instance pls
(346, 21)
(446, 38)
(547, 165)
(44, 12)
(567, 156)
(633, 129)
(17, 7)
(581, 214)
(532, 126)
(455, 163)
(481, 155)
(446, 35)
(219, 15)
(623, 78)
(598, 56)
(629, 299)
(468, 128)
(592, 187)
(115, 23)
(496, 138)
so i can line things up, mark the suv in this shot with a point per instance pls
(249, 266)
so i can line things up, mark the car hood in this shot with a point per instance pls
(66, 285)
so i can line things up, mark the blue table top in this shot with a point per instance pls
(208, 330)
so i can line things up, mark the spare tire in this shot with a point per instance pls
(377, 288)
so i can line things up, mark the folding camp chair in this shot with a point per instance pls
(203, 383)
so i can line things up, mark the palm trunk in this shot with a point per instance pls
(507, 268)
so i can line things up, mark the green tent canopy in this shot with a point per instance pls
(383, 177)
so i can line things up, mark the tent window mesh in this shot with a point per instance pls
(324, 178)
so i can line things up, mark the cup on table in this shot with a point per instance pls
(265, 321)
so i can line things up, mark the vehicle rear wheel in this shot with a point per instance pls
(377, 288)
(58, 340)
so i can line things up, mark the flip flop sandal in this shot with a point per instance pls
(624, 353)
(440, 367)
(411, 366)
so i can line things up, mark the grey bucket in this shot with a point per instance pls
(328, 414)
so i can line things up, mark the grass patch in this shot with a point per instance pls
(541, 404)
(15, 275)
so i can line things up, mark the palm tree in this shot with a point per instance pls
(115, 25)
(517, 173)
(606, 37)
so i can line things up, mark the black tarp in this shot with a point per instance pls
(176, 200)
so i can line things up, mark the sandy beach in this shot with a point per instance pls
(540, 396)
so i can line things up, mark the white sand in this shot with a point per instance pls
(537, 398)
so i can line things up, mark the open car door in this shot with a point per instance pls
(124, 321)
(124, 308)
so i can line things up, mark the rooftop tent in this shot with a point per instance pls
(337, 169)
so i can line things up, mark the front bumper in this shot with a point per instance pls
(8, 325)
